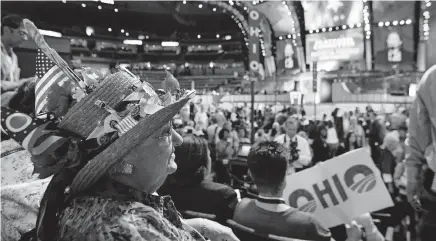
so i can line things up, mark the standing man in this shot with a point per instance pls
(299, 147)
(421, 183)
(13, 34)
(376, 136)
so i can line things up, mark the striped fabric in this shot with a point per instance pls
(48, 75)
(125, 125)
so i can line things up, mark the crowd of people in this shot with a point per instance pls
(128, 162)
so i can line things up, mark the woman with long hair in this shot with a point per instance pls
(191, 188)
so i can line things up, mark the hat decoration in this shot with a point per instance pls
(99, 121)
(102, 109)
(39, 137)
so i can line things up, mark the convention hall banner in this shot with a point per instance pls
(339, 190)
(345, 45)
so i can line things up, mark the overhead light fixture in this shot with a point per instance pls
(214, 9)
(109, 29)
(408, 21)
(132, 42)
(217, 36)
(199, 36)
(169, 44)
(107, 1)
(141, 37)
(116, 10)
(147, 37)
(89, 31)
(83, 5)
(122, 30)
(99, 7)
(228, 37)
(50, 33)
(127, 34)
(184, 1)
(200, 5)
(64, 1)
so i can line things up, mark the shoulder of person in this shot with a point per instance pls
(280, 138)
(302, 140)
(243, 204)
(314, 229)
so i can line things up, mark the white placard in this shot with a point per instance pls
(339, 190)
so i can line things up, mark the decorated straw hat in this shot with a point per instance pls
(120, 105)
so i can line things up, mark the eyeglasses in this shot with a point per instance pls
(23, 34)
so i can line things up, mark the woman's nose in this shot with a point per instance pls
(176, 138)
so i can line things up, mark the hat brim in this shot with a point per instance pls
(100, 164)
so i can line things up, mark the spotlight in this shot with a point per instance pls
(184, 1)
(141, 37)
(387, 23)
(217, 36)
(402, 22)
(64, 1)
(200, 5)
(99, 7)
(214, 9)
(408, 21)
(83, 5)
(199, 36)
(122, 30)
(395, 23)
(127, 34)
(147, 37)
(116, 10)
(109, 29)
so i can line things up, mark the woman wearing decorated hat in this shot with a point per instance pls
(110, 151)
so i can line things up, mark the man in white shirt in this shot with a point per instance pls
(13, 34)
(299, 147)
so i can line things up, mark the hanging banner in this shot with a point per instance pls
(253, 43)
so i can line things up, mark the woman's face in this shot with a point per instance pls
(226, 135)
(152, 161)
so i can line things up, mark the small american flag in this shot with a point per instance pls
(48, 75)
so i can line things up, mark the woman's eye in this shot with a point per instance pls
(165, 134)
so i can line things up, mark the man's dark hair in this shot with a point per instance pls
(268, 164)
(112, 65)
(13, 21)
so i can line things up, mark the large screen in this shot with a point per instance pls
(323, 14)
(286, 57)
(394, 47)
(389, 10)
(345, 45)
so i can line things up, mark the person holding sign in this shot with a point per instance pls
(299, 147)
(270, 214)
